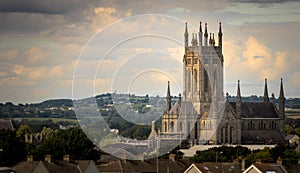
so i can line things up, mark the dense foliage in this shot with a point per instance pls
(267, 155)
(12, 148)
(72, 141)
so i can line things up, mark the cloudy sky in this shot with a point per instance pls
(58, 49)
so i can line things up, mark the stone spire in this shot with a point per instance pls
(266, 95)
(186, 36)
(153, 133)
(220, 34)
(238, 100)
(238, 94)
(200, 34)
(281, 92)
(168, 98)
(281, 99)
(205, 35)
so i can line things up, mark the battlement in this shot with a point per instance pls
(202, 40)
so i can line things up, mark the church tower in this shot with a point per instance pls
(203, 69)
(203, 74)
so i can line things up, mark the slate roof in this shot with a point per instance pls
(6, 124)
(218, 167)
(264, 167)
(53, 167)
(25, 166)
(289, 137)
(61, 167)
(114, 166)
(262, 136)
(184, 107)
(152, 165)
(257, 110)
(167, 165)
(293, 168)
(83, 164)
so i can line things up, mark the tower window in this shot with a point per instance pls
(205, 81)
(215, 62)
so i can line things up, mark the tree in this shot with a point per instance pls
(12, 148)
(23, 130)
(264, 155)
(288, 129)
(72, 141)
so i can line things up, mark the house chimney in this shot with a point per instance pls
(67, 158)
(172, 156)
(279, 161)
(236, 161)
(48, 158)
(258, 161)
(142, 157)
(243, 164)
(29, 158)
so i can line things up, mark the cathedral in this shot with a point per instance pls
(204, 115)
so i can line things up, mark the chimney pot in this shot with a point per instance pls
(48, 158)
(67, 158)
(29, 158)
(172, 157)
(279, 161)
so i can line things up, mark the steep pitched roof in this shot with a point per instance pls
(184, 108)
(25, 166)
(257, 110)
(264, 167)
(294, 168)
(289, 137)
(83, 164)
(167, 165)
(60, 167)
(6, 124)
(114, 166)
(273, 136)
(216, 167)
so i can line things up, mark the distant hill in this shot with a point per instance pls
(63, 108)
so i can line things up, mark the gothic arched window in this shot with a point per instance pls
(172, 126)
(195, 80)
(205, 81)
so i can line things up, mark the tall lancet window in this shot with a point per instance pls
(215, 81)
(195, 80)
(205, 81)
(188, 80)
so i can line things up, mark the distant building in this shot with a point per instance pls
(7, 125)
(204, 117)
(292, 139)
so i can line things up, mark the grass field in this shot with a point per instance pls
(55, 120)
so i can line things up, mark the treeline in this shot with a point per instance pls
(57, 143)
(38, 125)
(267, 155)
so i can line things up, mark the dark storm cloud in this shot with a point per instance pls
(41, 6)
